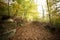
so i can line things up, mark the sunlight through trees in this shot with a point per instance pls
(31, 9)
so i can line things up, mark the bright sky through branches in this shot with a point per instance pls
(41, 3)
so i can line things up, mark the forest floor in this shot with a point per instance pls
(34, 31)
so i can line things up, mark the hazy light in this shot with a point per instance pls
(41, 3)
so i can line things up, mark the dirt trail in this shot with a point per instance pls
(33, 32)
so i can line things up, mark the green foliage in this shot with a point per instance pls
(21, 8)
(27, 9)
(3, 8)
(54, 12)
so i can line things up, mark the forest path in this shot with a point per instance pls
(34, 31)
